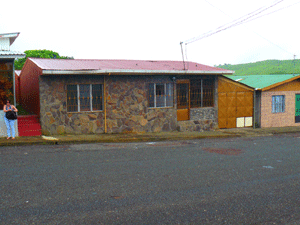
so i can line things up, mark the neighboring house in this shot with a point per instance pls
(277, 99)
(7, 78)
(235, 104)
(17, 86)
(114, 96)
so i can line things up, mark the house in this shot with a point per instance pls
(7, 58)
(17, 85)
(277, 99)
(116, 96)
(235, 104)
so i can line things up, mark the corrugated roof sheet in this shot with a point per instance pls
(89, 64)
(11, 54)
(262, 81)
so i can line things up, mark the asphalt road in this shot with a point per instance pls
(207, 181)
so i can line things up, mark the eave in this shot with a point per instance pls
(133, 72)
(279, 83)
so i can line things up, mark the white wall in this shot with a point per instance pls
(4, 44)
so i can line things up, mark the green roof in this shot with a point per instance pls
(261, 81)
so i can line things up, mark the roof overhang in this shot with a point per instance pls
(280, 83)
(12, 56)
(133, 72)
(12, 37)
(237, 83)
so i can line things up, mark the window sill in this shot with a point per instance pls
(161, 108)
(88, 111)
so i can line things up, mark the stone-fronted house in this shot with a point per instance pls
(7, 75)
(277, 98)
(115, 96)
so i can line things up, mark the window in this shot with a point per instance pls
(84, 97)
(160, 95)
(202, 93)
(278, 103)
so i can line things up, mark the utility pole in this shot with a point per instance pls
(182, 55)
(294, 60)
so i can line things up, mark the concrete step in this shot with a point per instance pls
(29, 126)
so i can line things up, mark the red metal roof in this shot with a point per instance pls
(90, 64)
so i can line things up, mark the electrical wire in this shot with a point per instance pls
(260, 17)
(240, 21)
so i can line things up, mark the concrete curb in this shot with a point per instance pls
(63, 140)
(147, 137)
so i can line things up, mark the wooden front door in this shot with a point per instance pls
(183, 100)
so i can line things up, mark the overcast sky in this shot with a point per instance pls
(153, 30)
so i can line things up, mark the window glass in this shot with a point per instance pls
(169, 95)
(202, 93)
(195, 88)
(208, 92)
(160, 95)
(278, 103)
(84, 93)
(182, 96)
(72, 104)
(97, 97)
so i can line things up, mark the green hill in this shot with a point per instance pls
(265, 67)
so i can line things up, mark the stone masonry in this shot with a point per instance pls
(127, 108)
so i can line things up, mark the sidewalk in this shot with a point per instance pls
(145, 137)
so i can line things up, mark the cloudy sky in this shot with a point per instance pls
(153, 30)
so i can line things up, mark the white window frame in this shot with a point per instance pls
(165, 95)
(91, 98)
(278, 103)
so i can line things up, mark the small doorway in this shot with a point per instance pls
(183, 100)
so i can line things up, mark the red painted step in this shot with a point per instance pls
(29, 126)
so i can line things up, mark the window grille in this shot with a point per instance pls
(84, 97)
(97, 97)
(202, 93)
(182, 96)
(278, 103)
(72, 102)
(160, 95)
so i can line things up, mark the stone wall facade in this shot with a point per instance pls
(126, 107)
(201, 119)
(54, 117)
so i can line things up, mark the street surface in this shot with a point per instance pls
(252, 180)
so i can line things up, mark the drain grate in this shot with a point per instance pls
(224, 151)
(166, 144)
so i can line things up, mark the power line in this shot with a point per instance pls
(260, 17)
(240, 21)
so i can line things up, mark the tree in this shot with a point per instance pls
(46, 54)
(5, 90)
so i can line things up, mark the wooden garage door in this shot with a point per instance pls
(234, 101)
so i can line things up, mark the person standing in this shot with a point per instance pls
(9, 123)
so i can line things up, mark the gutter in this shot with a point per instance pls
(131, 72)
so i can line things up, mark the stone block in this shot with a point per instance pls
(60, 129)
